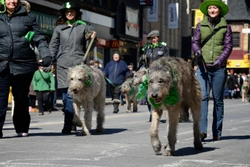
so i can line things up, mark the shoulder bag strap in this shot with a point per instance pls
(43, 78)
(209, 37)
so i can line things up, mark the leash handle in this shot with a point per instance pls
(90, 44)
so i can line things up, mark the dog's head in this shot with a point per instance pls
(126, 86)
(139, 76)
(79, 78)
(160, 80)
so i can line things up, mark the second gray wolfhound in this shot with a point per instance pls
(171, 85)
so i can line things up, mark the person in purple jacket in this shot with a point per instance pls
(211, 55)
(116, 72)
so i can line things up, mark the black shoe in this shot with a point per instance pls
(66, 130)
(203, 136)
(73, 129)
(115, 111)
(150, 118)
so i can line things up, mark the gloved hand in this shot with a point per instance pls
(198, 55)
(217, 64)
(46, 61)
(47, 69)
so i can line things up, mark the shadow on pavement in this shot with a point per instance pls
(191, 151)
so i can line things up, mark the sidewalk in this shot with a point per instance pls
(59, 102)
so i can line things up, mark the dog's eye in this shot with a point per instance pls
(71, 79)
(161, 81)
(79, 79)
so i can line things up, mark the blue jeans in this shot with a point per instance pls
(67, 102)
(214, 79)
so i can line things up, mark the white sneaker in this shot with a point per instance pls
(22, 134)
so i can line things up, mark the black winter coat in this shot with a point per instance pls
(15, 49)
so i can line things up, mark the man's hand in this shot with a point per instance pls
(198, 55)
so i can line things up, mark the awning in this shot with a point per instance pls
(238, 63)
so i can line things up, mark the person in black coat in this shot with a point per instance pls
(231, 85)
(18, 29)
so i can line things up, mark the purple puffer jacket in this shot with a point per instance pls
(196, 43)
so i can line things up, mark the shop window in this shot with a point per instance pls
(236, 39)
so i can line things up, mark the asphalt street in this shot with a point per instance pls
(126, 142)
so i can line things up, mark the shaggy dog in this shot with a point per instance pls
(245, 90)
(139, 78)
(87, 87)
(129, 90)
(171, 85)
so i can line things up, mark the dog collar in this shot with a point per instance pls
(172, 98)
(89, 81)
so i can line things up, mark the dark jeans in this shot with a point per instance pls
(44, 101)
(214, 79)
(32, 101)
(115, 91)
(20, 90)
(67, 101)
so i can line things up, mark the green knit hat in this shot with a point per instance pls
(204, 5)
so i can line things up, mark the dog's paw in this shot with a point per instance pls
(128, 111)
(168, 153)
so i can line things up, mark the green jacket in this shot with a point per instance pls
(214, 47)
(45, 83)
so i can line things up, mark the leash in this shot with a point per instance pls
(90, 44)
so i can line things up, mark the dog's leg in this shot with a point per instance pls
(135, 105)
(243, 96)
(195, 109)
(173, 119)
(76, 120)
(88, 114)
(155, 141)
(128, 103)
(100, 108)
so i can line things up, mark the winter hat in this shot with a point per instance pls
(204, 5)
(69, 5)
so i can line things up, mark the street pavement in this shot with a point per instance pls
(126, 142)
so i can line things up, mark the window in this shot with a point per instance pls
(236, 39)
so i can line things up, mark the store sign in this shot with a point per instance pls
(113, 44)
(146, 2)
(46, 22)
(238, 64)
(132, 22)
(173, 15)
(153, 12)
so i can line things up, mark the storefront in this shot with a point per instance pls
(238, 66)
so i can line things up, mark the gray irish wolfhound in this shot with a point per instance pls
(172, 84)
(87, 87)
(140, 76)
(130, 91)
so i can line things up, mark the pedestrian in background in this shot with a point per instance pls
(32, 99)
(44, 85)
(68, 45)
(116, 71)
(18, 62)
(152, 51)
(212, 52)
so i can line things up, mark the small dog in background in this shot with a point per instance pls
(245, 89)
(130, 91)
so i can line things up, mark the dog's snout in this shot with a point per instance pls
(74, 89)
(154, 95)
